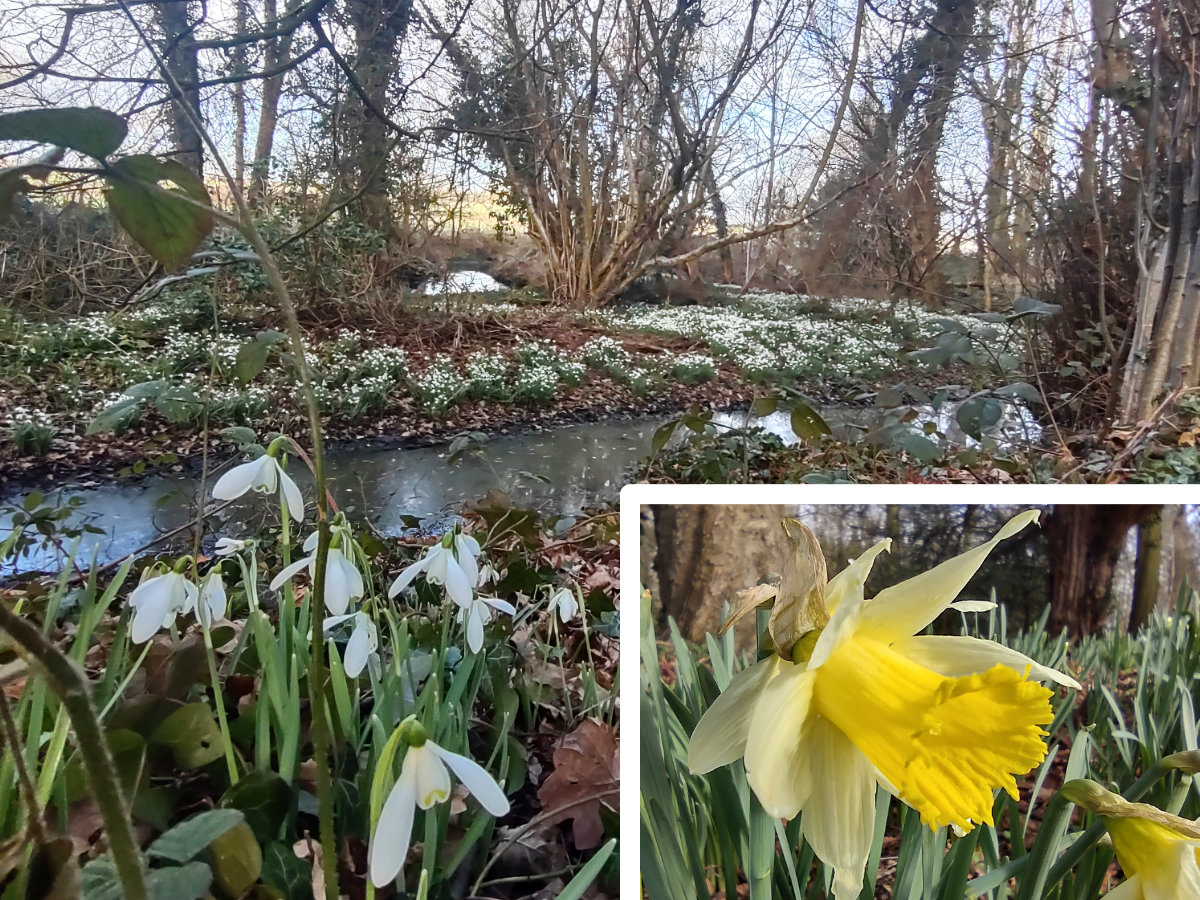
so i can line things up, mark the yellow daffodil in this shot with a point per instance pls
(1159, 852)
(861, 698)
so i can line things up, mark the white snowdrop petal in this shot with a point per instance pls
(389, 844)
(482, 786)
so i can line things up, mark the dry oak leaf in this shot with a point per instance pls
(587, 766)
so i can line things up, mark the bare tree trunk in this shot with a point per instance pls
(1084, 543)
(1145, 579)
(706, 554)
(379, 28)
(276, 54)
(179, 52)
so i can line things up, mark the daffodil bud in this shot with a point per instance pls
(1091, 796)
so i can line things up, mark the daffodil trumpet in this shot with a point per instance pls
(855, 696)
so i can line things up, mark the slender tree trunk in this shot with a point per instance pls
(1145, 581)
(276, 53)
(179, 52)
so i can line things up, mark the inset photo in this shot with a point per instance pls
(856, 701)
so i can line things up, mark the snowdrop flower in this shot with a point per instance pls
(450, 562)
(364, 641)
(343, 582)
(860, 697)
(210, 605)
(229, 546)
(264, 475)
(424, 780)
(1159, 852)
(486, 575)
(478, 614)
(565, 603)
(157, 601)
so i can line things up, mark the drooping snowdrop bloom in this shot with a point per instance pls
(264, 475)
(364, 641)
(855, 696)
(1159, 852)
(565, 604)
(487, 575)
(424, 780)
(157, 601)
(211, 604)
(229, 546)
(343, 582)
(450, 562)
(478, 614)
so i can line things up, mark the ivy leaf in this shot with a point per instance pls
(91, 130)
(192, 836)
(164, 221)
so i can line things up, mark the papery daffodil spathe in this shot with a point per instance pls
(424, 781)
(1159, 852)
(861, 698)
(264, 475)
(451, 562)
(343, 582)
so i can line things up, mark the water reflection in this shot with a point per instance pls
(563, 470)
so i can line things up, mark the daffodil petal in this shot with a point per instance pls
(287, 573)
(851, 579)
(904, 609)
(720, 736)
(839, 816)
(1164, 859)
(389, 845)
(1131, 889)
(959, 655)
(777, 746)
(475, 778)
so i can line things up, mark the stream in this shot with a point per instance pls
(560, 470)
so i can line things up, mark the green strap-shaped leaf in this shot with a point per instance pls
(163, 220)
(91, 130)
